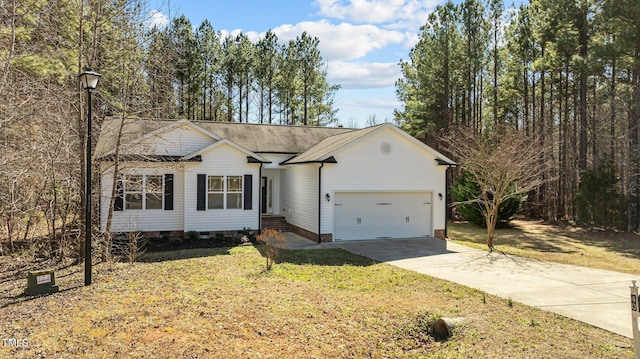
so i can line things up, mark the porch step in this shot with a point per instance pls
(275, 222)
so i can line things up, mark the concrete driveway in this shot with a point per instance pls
(597, 297)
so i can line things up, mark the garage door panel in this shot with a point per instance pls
(382, 214)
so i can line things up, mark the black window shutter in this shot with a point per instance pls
(202, 192)
(168, 192)
(118, 204)
(248, 192)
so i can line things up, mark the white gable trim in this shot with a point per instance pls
(176, 124)
(167, 128)
(225, 142)
(406, 136)
(436, 154)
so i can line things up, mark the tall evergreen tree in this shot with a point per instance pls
(209, 49)
(266, 70)
(427, 86)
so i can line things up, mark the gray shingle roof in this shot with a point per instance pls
(259, 138)
(308, 143)
(326, 147)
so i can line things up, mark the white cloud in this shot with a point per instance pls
(235, 32)
(394, 14)
(412, 39)
(363, 75)
(357, 106)
(373, 103)
(377, 11)
(156, 19)
(343, 41)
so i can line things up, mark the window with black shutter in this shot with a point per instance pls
(202, 192)
(248, 192)
(168, 192)
(118, 204)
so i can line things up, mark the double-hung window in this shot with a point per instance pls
(143, 191)
(153, 192)
(216, 192)
(234, 192)
(224, 192)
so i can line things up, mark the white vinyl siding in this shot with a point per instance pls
(300, 195)
(143, 220)
(223, 161)
(362, 167)
(179, 141)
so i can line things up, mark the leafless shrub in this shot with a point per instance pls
(128, 246)
(271, 241)
(504, 165)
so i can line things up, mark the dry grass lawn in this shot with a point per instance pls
(210, 303)
(616, 251)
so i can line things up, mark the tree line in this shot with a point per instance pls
(565, 72)
(203, 75)
(174, 72)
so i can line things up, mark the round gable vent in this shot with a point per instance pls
(385, 148)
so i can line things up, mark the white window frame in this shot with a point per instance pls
(143, 192)
(229, 191)
(225, 191)
(215, 191)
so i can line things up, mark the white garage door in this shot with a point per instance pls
(370, 215)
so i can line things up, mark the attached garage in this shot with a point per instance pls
(371, 215)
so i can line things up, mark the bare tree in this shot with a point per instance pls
(505, 165)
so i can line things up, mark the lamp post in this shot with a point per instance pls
(89, 81)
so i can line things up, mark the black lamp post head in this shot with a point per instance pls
(89, 79)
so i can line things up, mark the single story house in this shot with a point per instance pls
(327, 184)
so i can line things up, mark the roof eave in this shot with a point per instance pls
(150, 158)
(442, 162)
(330, 159)
(251, 159)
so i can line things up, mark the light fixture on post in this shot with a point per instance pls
(89, 82)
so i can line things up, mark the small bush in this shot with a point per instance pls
(130, 245)
(467, 189)
(271, 241)
(247, 235)
(193, 235)
(175, 241)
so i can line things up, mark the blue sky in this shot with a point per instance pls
(362, 41)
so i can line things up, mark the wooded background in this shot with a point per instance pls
(564, 71)
(172, 72)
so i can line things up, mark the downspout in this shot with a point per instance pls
(260, 199)
(320, 200)
(446, 202)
